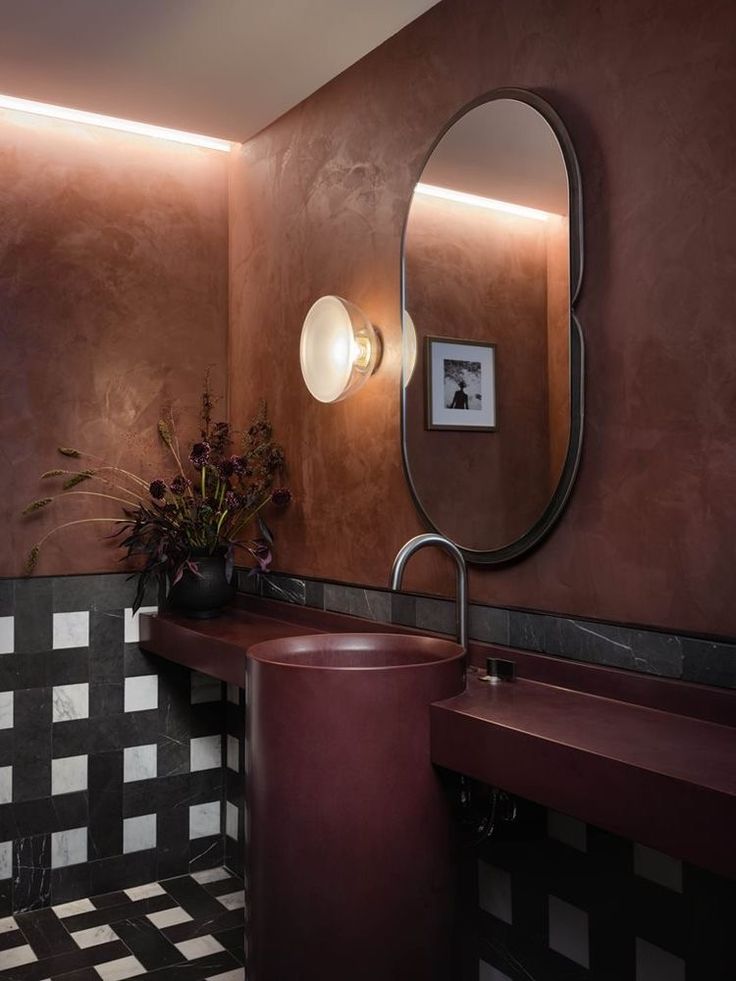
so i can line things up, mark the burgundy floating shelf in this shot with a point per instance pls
(651, 759)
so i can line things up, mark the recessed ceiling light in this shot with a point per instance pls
(111, 122)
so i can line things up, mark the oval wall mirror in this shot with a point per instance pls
(492, 412)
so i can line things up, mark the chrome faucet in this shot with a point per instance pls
(461, 599)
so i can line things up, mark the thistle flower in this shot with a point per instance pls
(37, 505)
(233, 501)
(67, 451)
(157, 489)
(200, 455)
(179, 485)
(225, 469)
(275, 459)
(239, 465)
(281, 497)
(78, 478)
(220, 437)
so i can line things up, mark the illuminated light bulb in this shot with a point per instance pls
(339, 349)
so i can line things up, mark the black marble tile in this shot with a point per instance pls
(314, 594)
(45, 933)
(6, 897)
(32, 872)
(404, 609)
(7, 746)
(372, 604)
(489, 624)
(105, 775)
(106, 699)
(192, 897)
(173, 841)
(99, 592)
(106, 647)
(137, 661)
(33, 615)
(123, 871)
(709, 663)
(38, 817)
(437, 616)
(32, 752)
(206, 853)
(69, 666)
(71, 738)
(7, 597)
(72, 882)
(286, 588)
(148, 944)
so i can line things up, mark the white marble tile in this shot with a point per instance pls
(205, 819)
(6, 860)
(126, 967)
(205, 689)
(15, 957)
(73, 908)
(233, 900)
(655, 964)
(94, 936)
(233, 694)
(233, 754)
(150, 889)
(494, 891)
(132, 623)
(6, 784)
(70, 702)
(568, 931)
(231, 821)
(68, 775)
(210, 875)
(140, 763)
(7, 924)
(237, 975)
(568, 830)
(658, 867)
(68, 848)
(141, 693)
(199, 947)
(7, 635)
(71, 630)
(169, 917)
(139, 833)
(6, 709)
(486, 972)
(205, 753)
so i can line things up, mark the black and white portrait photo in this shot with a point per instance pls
(461, 384)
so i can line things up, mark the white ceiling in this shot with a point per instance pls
(223, 68)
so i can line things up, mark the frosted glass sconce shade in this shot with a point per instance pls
(408, 347)
(339, 349)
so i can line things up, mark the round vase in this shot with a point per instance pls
(204, 595)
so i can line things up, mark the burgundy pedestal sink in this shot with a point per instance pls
(350, 872)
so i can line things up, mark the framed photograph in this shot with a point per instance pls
(460, 378)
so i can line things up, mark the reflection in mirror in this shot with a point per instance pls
(490, 415)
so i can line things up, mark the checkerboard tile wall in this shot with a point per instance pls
(554, 899)
(111, 760)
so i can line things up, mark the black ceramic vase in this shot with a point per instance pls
(203, 596)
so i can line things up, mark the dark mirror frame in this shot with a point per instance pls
(538, 531)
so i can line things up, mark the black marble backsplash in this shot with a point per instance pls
(610, 644)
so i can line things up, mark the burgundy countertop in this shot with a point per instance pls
(656, 763)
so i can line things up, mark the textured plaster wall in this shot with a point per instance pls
(317, 206)
(113, 301)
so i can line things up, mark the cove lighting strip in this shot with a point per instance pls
(480, 202)
(111, 122)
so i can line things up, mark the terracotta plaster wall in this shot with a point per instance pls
(317, 206)
(113, 301)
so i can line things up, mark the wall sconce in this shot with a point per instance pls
(408, 347)
(339, 349)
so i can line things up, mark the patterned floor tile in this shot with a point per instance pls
(184, 929)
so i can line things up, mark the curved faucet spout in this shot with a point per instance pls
(422, 541)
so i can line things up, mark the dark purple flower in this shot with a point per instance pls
(220, 438)
(233, 501)
(240, 466)
(200, 455)
(157, 489)
(179, 485)
(274, 459)
(225, 469)
(281, 497)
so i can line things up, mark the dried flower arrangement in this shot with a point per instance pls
(168, 524)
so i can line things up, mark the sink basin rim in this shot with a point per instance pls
(447, 650)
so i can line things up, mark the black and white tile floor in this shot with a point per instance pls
(184, 929)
